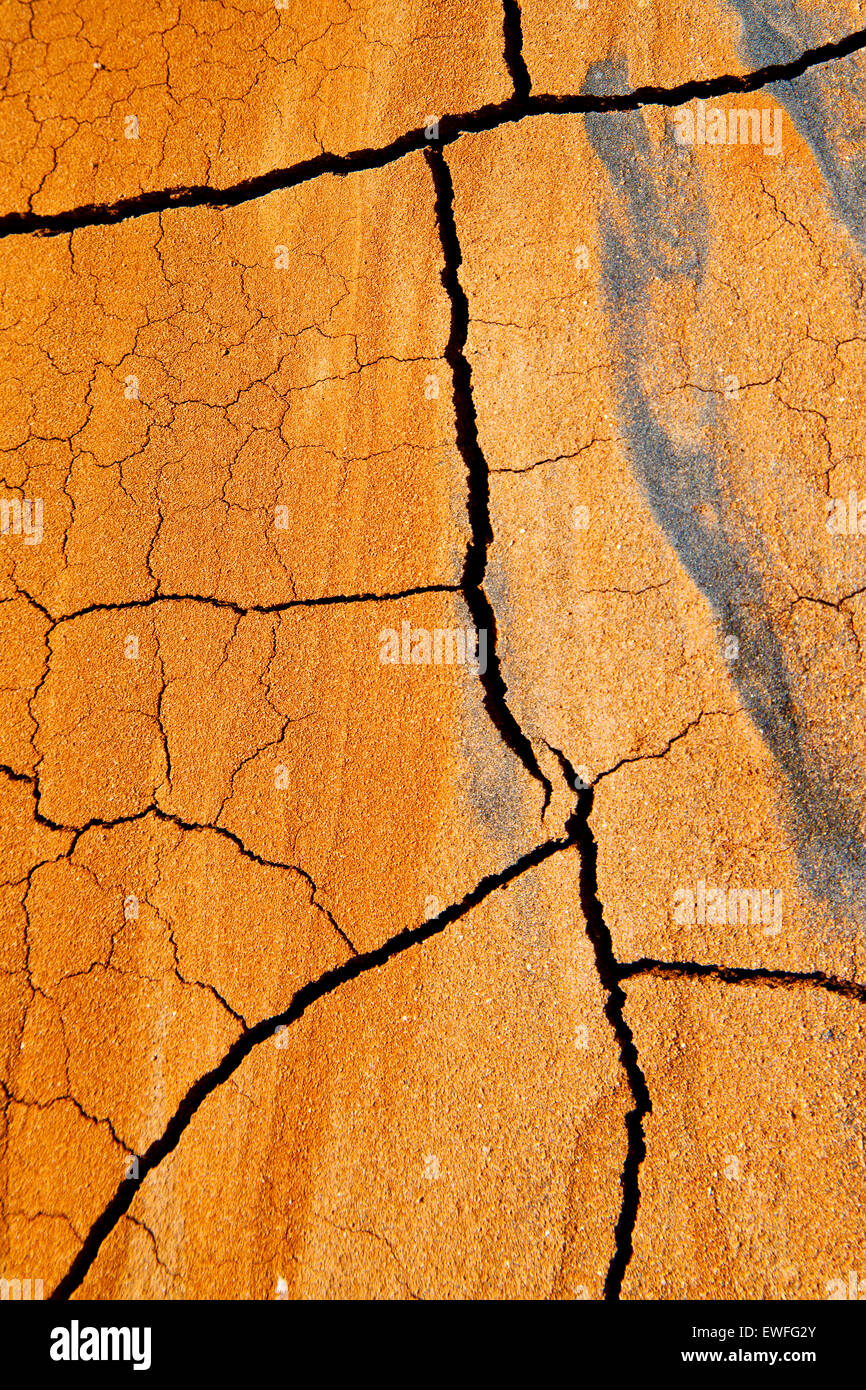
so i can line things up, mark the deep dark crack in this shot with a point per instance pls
(742, 975)
(478, 476)
(608, 972)
(611, 973)
(512, 31)
(451, 127)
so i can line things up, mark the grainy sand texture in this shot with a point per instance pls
(433, 587)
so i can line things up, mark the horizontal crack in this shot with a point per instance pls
(451, 127)
(325, 601)
(740, 975)
(168, 818)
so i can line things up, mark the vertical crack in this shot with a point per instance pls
(512, 32)
(610, 972)
(496, 704)
(478, 477)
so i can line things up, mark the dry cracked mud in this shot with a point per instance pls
(433, 576)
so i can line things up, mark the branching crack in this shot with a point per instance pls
(578, 835)
(301, 1001)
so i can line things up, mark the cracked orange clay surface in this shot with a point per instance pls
(433, 562)
(104, 105)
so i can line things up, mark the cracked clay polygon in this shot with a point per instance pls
(431, 685)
